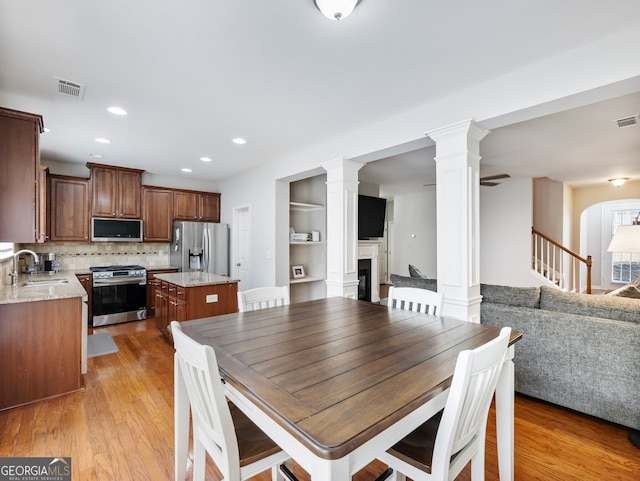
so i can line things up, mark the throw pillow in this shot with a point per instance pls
(629, 291)
(415, 272)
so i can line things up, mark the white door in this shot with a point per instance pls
(242, 244)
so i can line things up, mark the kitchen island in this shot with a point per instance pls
(43, 335)
(184, 296)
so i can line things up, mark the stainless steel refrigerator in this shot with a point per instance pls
(200, 246)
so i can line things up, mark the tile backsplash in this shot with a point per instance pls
(82, 255)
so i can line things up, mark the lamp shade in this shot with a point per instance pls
(336, 9)
(625, 239)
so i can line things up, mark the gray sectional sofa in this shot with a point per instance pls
(578, 351)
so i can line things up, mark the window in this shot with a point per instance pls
(625, 266)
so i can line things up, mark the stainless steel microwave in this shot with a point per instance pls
(116, 230)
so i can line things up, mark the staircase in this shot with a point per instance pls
(559, 266)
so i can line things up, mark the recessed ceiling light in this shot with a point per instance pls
(96, 156)
(117, 111)
(47, 130)
(186, 170)
(102, 141)
(205, 159)
(239, 141)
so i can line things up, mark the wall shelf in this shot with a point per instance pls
(308, 214)
(304, 280)
(301, 206)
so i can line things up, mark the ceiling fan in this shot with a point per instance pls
(486, 181)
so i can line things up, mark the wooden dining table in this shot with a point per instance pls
(336, 381)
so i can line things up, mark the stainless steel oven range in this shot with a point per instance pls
(119, 294)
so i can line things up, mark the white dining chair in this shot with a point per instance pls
(415, 299)
(263, 297)
(238, 447)
(440, 448)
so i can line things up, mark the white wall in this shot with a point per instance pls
(505, 233)
(414, 233)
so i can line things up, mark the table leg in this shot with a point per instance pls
(331, 470)
(504, 420)
(181, 422)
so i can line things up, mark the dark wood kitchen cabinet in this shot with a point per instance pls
(42, 350)
(180, 303)
(87, 283)
(20, 202)
(152, 285)
(157, 213)
(196, 206)
(68, 208)
(115, 191)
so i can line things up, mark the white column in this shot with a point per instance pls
(458, 212)
(342, 227)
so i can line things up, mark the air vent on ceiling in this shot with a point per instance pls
(72, 89)
(628, 121)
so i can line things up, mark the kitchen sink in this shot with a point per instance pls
(44, 282)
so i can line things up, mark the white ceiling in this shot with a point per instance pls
(194, 74)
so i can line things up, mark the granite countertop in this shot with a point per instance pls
(21, 293)
(193, 279)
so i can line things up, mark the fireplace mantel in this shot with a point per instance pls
(369, 250)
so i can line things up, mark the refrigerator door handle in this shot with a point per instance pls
(206, 252)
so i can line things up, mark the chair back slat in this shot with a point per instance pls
(263, 298)
(415, 299)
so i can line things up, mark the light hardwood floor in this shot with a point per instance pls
(121, 426)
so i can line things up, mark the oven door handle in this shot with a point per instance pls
(118, 282)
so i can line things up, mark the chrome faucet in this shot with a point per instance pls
(14, 273)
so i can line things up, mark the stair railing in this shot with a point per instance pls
(560, 265)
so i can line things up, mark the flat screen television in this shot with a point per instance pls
(371, 215)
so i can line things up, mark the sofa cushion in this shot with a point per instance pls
(606, 307)
(415, 272)
(511, 296)
(419, 282)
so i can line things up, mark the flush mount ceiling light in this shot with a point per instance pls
(186, 170)
(618, 181)
(336, 9)
(102, 141)
(239, 141)
(205, 159)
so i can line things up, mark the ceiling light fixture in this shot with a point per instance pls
(618, 181)
(186, 170)
(205, 159)
(102, 140)
(336, 9)
(117, 111)
(239, 141)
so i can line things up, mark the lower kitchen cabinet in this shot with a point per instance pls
(152, 285)
(87, 283)
(41, 350)
(178, 303)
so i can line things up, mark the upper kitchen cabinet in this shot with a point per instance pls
(196, 206)
(115, 191)
(68, 208)
(157, 213)
(20, 202)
